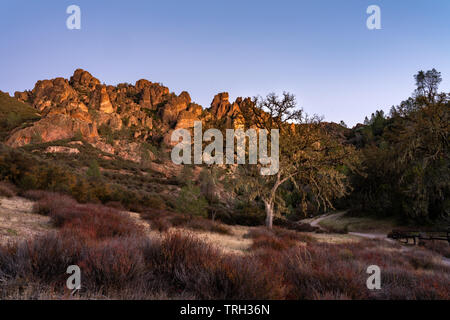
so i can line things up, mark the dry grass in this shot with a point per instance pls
(17, 221)
(119, 260)
(163, 220)
(440, 247)
(234, 242)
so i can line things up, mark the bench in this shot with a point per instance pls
(405, 236)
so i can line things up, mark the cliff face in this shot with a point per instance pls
(84, 106)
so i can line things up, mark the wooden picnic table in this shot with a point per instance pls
(405, 235)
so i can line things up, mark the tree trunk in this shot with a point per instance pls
(269, 214)
(269, 203)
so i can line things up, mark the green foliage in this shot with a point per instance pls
(93, 171)
(406, 157)
(191, 202)
(110, 136)
(13, 113)
(186, 175)
(78, 136)
(36, 138)
(146, 150)
(106, 132)
(29, 172)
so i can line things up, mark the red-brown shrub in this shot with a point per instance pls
(36, 195)
(46, 258)
(207, 225)
(95, 221)
(196, 266)
(271, 242)
(116, 258)
(7, 190)
(117, 263)
(99, 221)
(161, 224)
(276, 238)
(116, 205)
(52, 202)
(440, 247)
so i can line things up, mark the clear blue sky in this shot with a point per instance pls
(319, 50)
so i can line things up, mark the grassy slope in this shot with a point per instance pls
(359, 224)
(14, 113)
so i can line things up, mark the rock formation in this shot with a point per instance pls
(142, 112)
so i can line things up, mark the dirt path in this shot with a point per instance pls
(315, 221)
(366, 235)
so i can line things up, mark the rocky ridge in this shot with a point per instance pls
(106, 115)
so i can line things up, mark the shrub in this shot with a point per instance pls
(161, 224)
(194, 265)
(35, 194)
(207, 225)
(155, 201)
(51, 202)
(318, 271)
(117, 263)
(421, 260)
(115, 205)
(292, 235)
(271, 242)
(440, 247)
(46, 258)
(7, 190)
(191, 202)
(276, 239)
(244, 215)
(93, 171)
(96, 221)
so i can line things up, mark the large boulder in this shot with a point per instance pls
(105, 105)
(174, 106)
(220, 105)
(52, 128)
(83, 78)
(152, 94)
(48, 94)
(187, 118)
(229, 113)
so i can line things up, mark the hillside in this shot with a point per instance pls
(14, 113)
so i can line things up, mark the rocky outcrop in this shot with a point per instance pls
(174, 106)
(186, 118)
(105, 103)
(51, 128)
(143, 112)
(129, 151)
(82, 79)
(151, 94)
(59, 149)
(220, 105)
(228, 113)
